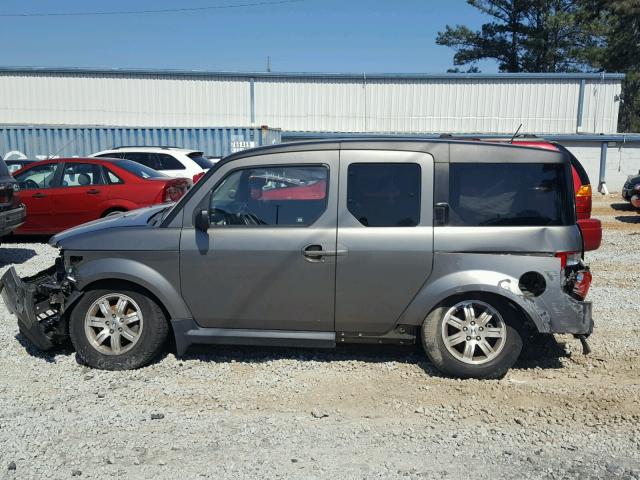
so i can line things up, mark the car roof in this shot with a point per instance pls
(147, 149)
(468, 151)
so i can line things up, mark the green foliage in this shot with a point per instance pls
(557, 36)
(615, 24)
(522, 36)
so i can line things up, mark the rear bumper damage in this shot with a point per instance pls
(39, 303)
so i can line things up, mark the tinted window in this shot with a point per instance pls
(40, 176)
(167, 162)
(384, 194)
(142, 158)
(140, 170)
(485, 194)
(81, 175)
(110, 155)
(201, 161)
(270, 196)
(4, 171)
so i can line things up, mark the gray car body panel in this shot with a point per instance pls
(256, 278)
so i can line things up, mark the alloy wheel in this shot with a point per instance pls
(113, 324)
(474, 332)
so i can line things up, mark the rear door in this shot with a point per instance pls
(385, 212)
(80, 196)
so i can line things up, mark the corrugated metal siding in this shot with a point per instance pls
(332, 103)
(41, 142)
(74, 99)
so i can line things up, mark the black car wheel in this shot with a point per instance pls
(117, 329)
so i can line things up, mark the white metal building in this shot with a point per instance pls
(575, 109)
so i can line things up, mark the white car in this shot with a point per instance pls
(172, 161)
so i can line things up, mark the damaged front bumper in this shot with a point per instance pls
(39, 303)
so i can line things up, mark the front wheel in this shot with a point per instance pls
(472, 338)
(117, 329)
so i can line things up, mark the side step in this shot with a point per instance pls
(187, 332)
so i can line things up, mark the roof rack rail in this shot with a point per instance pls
(166, 147)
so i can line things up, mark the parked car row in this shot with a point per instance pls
(48, 196)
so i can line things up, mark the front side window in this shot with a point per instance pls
(41, 176)
(384, 194)
(81, 175)
(509, 194)
(270, 196)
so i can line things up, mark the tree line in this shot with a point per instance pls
(556, 36)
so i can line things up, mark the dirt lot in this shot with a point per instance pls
(357, 412)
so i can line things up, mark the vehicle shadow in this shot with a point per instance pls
(543, 352)
(11, 256)
(622, 207)
(25, 239)
(628, 218)
(49, 356)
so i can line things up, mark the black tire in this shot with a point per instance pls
(115, 211)
(449, 365)
(148, 346)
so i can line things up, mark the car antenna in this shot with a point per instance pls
(515, 134)
(49, 157)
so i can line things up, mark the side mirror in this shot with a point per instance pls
(202, 222)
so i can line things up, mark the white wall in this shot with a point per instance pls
(408, 104)
(622, 160)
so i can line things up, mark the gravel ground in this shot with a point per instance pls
(356, 412)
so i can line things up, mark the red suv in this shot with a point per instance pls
(66, 192)
(591, 227)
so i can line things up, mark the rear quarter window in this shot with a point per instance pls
(510, 194)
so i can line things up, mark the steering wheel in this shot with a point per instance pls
(31, 184)
(245, 217)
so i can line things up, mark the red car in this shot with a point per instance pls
(591, 228)
(66, 192)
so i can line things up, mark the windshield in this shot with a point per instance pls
(139, 170)
(202, 161)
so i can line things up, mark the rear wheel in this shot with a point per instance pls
(473, 337)
(117, 329)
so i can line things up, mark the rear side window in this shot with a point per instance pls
(509, 194)
(140, 170)
(384, 194)
(167, 162)
(203, 162)
(142, 158)
(81, 175)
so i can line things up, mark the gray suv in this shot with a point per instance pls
(467, 247)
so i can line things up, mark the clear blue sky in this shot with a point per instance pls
(310, 36)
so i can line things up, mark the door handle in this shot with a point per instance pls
(38, 195)
(317, 253)
(93, 192)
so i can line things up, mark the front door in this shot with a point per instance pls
(36, 189)
(385, 222)
(268, 259)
